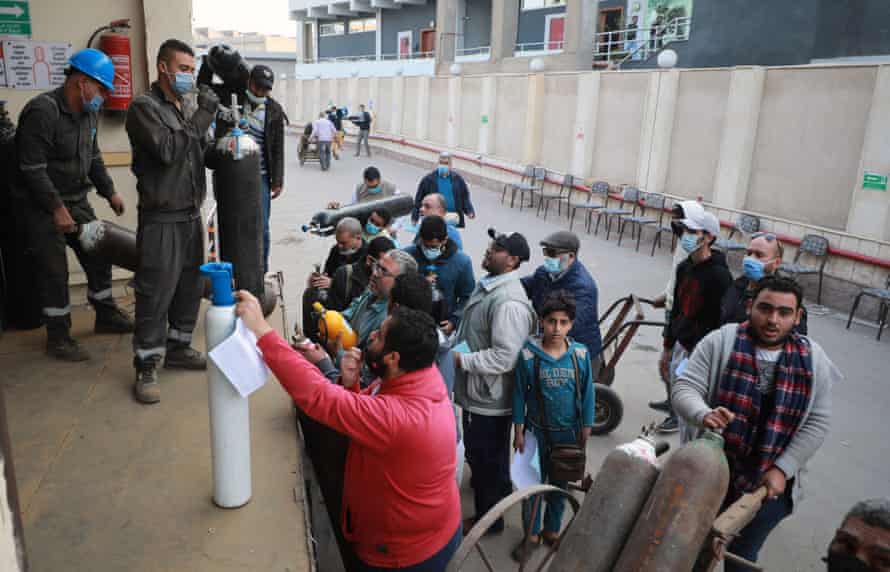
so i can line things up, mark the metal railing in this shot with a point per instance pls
(539, 47)
(478, 51)
(373, 58)
(639, 43)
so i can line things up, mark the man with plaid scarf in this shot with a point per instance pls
(769, 389)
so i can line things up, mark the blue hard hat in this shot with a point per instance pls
(94, 64)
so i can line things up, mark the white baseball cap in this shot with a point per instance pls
(701, 220)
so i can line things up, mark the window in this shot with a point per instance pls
(364, 25)
(538, 4)
(331, 29)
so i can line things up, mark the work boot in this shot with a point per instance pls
(664, 406)
(146, 389)
(66, 348)
(184, 357)
(669, 425)
(112, 321)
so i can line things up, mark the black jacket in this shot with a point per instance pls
(349, 281)
(429, 186)
(362, 120)
(698, 293)
(273, 150)
(335, 260)
(168, 152)
(58, 154)
(734, 306)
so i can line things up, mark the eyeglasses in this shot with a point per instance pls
(378, 268)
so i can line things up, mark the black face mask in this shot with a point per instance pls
(374, 361)
(838, 562)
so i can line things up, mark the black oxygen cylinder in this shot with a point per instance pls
(609, 511)
(110, 243)
(238, 192)
(324, 222)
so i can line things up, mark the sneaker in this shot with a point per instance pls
(66, 349)
(664, 406)
(113, 321)
(184, 357)
(147, 390)
(669, 425)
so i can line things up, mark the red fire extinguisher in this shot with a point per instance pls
(115, 43)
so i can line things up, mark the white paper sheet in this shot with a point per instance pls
(240, 360)
(525, 470)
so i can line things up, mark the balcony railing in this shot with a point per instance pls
(373, 58)
(535, 48)
(637, 44)
(478, 54)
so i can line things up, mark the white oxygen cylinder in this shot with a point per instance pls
(229, 412)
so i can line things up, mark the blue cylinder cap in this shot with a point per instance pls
(220, 274)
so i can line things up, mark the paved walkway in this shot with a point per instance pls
(852, 465)
(107, 484)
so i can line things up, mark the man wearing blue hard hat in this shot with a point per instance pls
(59, 162)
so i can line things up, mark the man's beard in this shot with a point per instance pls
(374, 361)
(758, 341)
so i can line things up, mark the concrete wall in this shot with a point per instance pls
(437, 114)
(788, 143)
(408, 17)
(618, 127)
(477, 30)
(359, 44)
(511, 106)
(698, 125)
(809, 141)
(531, 24)
(470, 113)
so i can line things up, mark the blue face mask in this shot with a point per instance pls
(689, 242)
(374, 190)
(371, 228)
(94, 104)
(752, 268)
(443, 170)
(552, 265)
(183, 83)
(431, 253)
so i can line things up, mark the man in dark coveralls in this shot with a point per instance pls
(59, 161)
(168, 136)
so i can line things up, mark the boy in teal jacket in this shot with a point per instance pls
(561, 363)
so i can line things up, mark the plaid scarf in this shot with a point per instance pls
(749, 452)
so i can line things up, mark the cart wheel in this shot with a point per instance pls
(607, 411)
(474, 536)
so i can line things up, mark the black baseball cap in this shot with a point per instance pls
(514, 243)
(262, 76)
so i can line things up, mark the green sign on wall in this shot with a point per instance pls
(15, 18)
(484, 119)
(874, 181)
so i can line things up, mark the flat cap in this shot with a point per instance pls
(562, 240)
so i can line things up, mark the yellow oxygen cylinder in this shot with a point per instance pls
(332, 323)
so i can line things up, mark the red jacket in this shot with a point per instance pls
(400, 498)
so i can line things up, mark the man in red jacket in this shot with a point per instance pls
(401, 507)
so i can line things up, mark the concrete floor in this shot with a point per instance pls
(852, 464)
(108, 484)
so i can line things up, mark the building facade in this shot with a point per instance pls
(426, 37)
